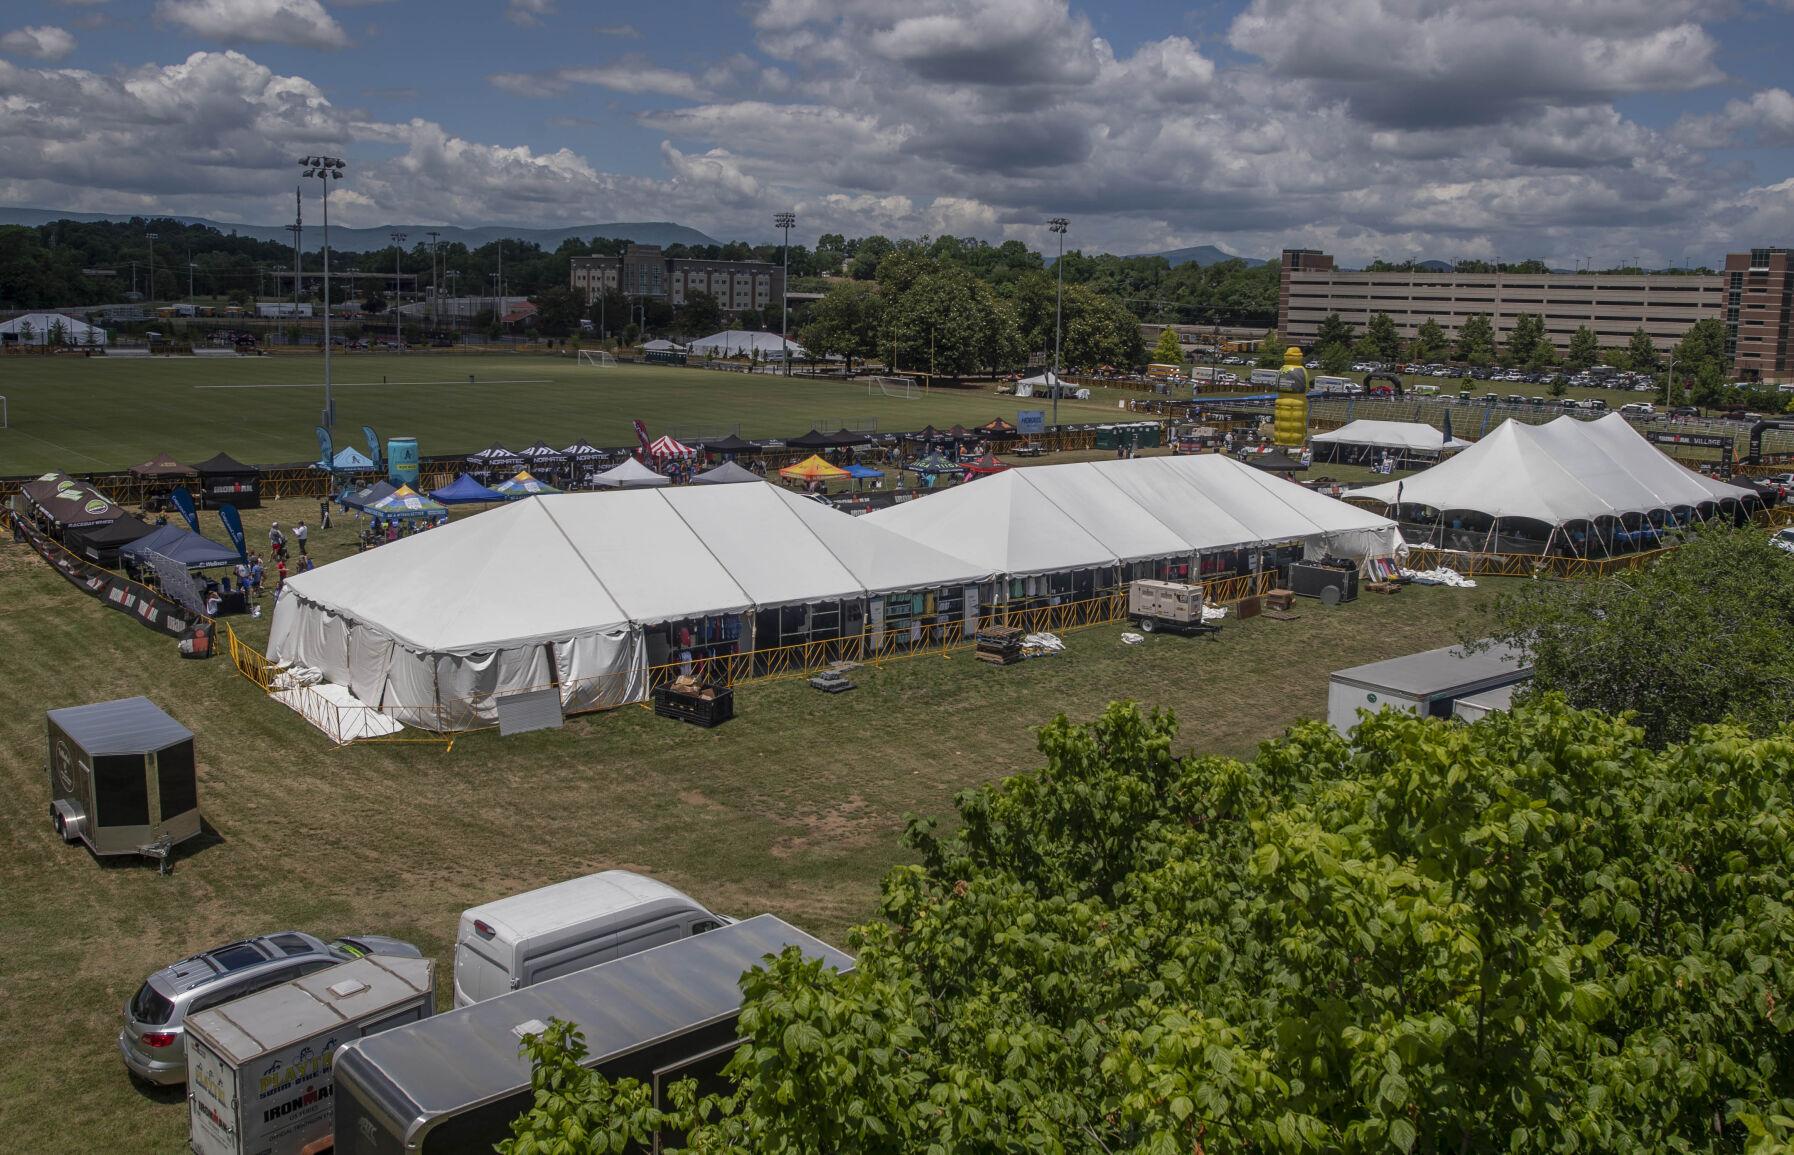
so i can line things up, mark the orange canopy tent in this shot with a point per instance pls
(813, 467)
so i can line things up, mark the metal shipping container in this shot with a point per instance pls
(260, 1070)
(1426, 683)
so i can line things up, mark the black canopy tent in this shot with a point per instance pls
(100, 543)
(223, 480)
(582, 452)
(163, 467)
(542, 455)
(847, 437)
(813, 440)
(495, 457)
(729, 444)
(66, 504)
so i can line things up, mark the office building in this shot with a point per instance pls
(1759, 295)
(1613, 305)
(644, 272)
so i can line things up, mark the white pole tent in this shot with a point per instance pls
(1583, 487)
(1057, 519)
(36, 328)
(1404, 439)
(588, 591)
(745, 343)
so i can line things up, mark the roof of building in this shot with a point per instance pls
(1432, 672)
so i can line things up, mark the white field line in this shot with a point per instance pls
(380, 384)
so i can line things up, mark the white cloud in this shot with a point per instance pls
(716, 169)
(1765, 120)
(620, 31)
(528, 13)
(302, 23)
(40, 42)
(630, 74)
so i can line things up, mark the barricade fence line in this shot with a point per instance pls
(765, 665)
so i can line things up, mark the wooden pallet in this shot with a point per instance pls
(1384, 587)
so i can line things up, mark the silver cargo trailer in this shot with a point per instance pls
(454, 1083)
(122, 778)
(259, 1069)
(1427, 683)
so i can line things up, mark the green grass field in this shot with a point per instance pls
(90, 414)
(794, 807)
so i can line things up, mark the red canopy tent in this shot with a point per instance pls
(665, 447)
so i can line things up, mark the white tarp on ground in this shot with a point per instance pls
(558, 590)
(1409, 436)
(1057, 518)
(1567, 470)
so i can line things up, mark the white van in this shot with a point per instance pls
(569, 926)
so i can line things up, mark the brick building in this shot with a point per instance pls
(643, 271)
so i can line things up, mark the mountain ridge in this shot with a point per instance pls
(351, 240)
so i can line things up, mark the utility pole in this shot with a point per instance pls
(326, 169)
(784, 221)
(190, 297)
(152, 267)
(435, 293)
(1059, 225)
(398, 318)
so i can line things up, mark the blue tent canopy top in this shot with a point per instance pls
(348, 459)
(405, 502)
(863, 471)
(181, 544)
(464, 490)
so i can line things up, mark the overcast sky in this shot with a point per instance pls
(1610, 130)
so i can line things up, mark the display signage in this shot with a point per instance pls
(1030, 421)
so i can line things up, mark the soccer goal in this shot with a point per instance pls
(597, 359)
(903, 388)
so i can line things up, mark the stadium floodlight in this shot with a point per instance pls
(398, 318)
(151, 238)
(784, 221)
(325, 168)
(1061, 226)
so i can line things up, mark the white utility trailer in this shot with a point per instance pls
(1428, 683)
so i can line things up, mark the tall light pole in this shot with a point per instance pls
(190, 298)
(151, 237)
(398, 318)
(326, 169)
(297, 228)
(1061, 226)
(784, 221)
(435, 313)
(453, 277)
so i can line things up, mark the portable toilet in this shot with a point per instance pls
(122, 778)
(401, 460)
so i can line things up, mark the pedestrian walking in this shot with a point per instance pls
(256, 573)
(277, 542)
(280, 575)
(324, 513)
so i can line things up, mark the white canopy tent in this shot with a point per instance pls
(1401, 436)
(35, 329)
(629, 474)
(745, 343)
(1570, 484)
(1063, 518)
(662, 345)
(565, 590)
(1043, 384)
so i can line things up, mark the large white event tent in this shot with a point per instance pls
(1567, 486)
(1402, 439)
(587, 591)
(1151, 516)
(34, 329)
(746, 343)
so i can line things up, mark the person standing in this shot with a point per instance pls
(256, 573)
(299, 535)
(280, 576)
(277, 542)
(324, 512)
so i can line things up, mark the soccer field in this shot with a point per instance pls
(87, 415)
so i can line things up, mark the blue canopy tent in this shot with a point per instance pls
(863, 471)
(464, 490)
(181, 544)
(404, 502)
(366, 496)
(349, 459)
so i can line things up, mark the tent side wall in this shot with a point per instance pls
(456, 691)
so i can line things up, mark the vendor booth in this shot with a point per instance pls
(495, 458)
(59, 504)
(729, 446)
(162, 467)
(464, 490)
(522, 485)
(366, 495)
(629, 474)
(406, 504)
(223, 480)
(728, 473)
(182, 545)
(100, 543)
(813, 468)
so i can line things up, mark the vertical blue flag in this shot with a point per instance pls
(367, 431)
(325, 449)
(183, 501)
(233, 525)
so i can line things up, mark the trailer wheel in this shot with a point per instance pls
(1146, 626)
(62, 829)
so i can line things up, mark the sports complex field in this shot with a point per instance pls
(794, 807)
(87, 414)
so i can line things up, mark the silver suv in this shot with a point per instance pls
(153, 1043)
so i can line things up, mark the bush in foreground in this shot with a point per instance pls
(1536, 933)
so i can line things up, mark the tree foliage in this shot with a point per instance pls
(1169, 351)
(1642, 351)
(1532, 934)
(1383, 340)
(1270, 352)
(1705, 632)
(1524, 338)
(1585, 349)
(1700, 358)
(1476, 340)
(846, 322)
(1429, 342)
(1333, 331)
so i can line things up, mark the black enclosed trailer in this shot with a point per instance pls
(122, 778)
(453, 1083)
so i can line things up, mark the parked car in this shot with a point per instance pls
(153, 1043)
(1783, 540)
(1684, 411)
